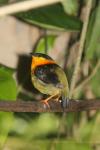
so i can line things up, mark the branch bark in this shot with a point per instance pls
(74, 106)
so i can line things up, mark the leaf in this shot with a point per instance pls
(7, 85)
(7, 92)
(41, 45)
(51, 17)
(7, 69)
(93, 35)
(70, 6)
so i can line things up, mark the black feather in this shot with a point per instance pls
(47, 74)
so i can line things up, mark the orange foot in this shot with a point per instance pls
(47, 99)
(45, 102)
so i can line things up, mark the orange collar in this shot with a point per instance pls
(37, 61)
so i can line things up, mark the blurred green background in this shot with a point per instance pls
(53, 30)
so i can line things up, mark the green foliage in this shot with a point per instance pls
(70, 6)
(41, 45)
(85, 131)
(40, 127)
(71, 145)
(92, 47)
(7, 92)
(95, 84)
(33, 131)
(47, 145)
(89, 131)
(52, 17)
(95, 137)
(45, 124)
(7, 84)
(7, 69)
(70, 120)
(2, 2)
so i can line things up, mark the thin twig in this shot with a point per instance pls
(81, 46)
(25, 5)
(74, 106)
(88, 78)
(46, 41)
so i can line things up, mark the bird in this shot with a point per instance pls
(49, 78)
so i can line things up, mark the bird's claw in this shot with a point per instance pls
(45, 102)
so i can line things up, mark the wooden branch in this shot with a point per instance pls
(74, 106)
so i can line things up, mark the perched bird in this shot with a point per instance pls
(49, 78)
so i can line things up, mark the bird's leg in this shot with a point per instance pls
(45, 101)
(57, 99)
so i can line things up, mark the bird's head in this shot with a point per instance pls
(39, 59)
